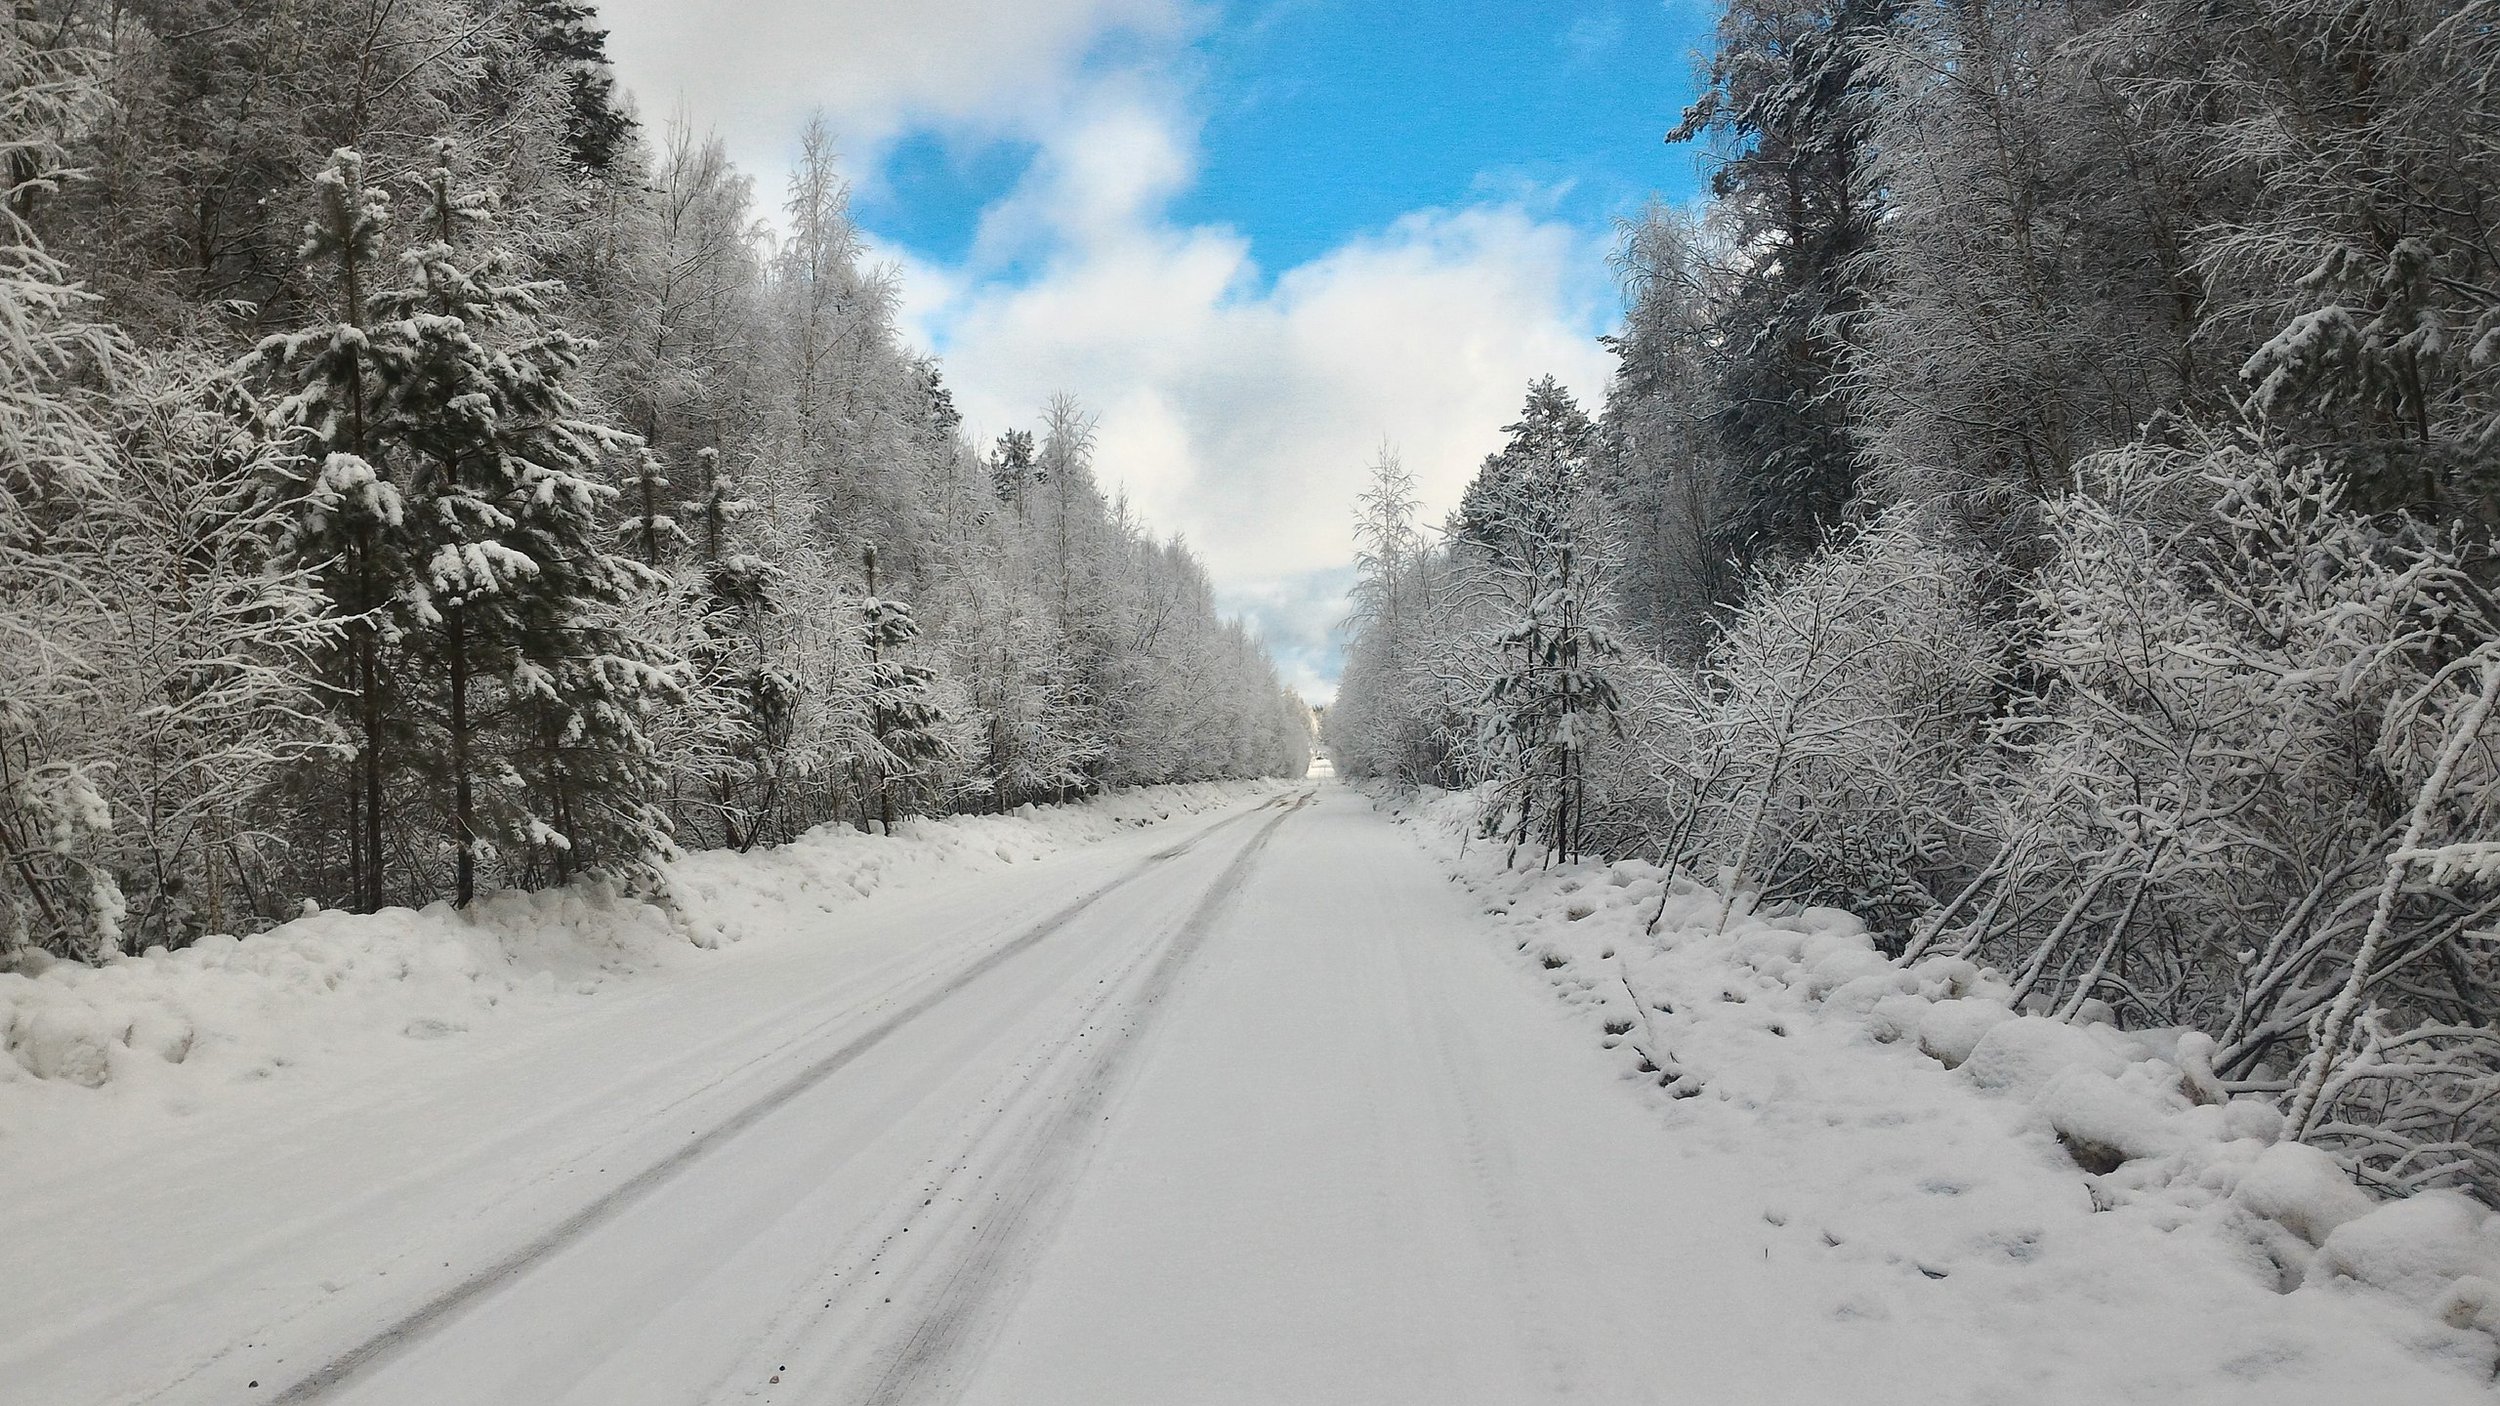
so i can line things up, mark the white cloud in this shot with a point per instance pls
(1241, 411)
(1298, 617)
(1237, 409)
(1111, 161)
(754, 69)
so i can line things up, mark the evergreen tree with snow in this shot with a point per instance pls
(338, 377)
(1012, 472)
(736, 671)
(1791, 103)
(452, 511)
(1527, 514)
(649, 531)
(518, 610)
(903, 715)
(567, 36)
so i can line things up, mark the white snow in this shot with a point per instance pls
(339, 997)
(2023, 1055)
(1934, 1143)
(1268, 1104)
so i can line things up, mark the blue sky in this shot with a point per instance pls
(1318, 120)
(1259, 239)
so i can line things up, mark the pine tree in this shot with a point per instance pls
(1517, 505)
(741, 704)
(649, 530)
(567, 35)
(1012, 474)
(903, 715)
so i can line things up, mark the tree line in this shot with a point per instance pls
(2044, 502)
(419, 476)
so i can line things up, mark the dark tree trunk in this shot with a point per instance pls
(369, 683)
(463, 831)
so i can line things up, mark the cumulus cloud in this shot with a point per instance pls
(755, 69)
(1299, 618)
(1240, 410)
(1115, 157)
(1239, 406)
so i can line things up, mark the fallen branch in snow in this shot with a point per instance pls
(1671, 1075)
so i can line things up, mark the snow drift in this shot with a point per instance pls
(1903, 1087)
(228, 1009)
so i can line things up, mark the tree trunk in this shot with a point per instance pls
(463, 832)
(369, 683)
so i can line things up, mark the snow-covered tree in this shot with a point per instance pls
(1525, 525)
(517, 608)
(1790, 108)
(152, 656)
(1671, 502)
(518, 527)
(54, 459)
(904, 716)
(349, 529)
(2033, 298)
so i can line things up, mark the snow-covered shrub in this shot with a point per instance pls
(1790, 1020)
(151, 656)
(1844, 701)
(2413, 1109)
(2252, 788)
(1641, 775)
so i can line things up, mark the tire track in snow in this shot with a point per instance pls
(966, 1308)
(1492, 1173)
(419, 1323)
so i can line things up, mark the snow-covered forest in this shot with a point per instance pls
(2044, 504)
(578, 824)
(419, 476)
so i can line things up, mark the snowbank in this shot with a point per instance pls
(232, 1009)
(1912, 1089)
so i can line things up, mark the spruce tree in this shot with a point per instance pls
(1527, 513)
(519, 607)
(649, 530)
(1793, 102)
(749, 704)
(1011, 471)
(349, 528)
(567, 35)
(903, 715)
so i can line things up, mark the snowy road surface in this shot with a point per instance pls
(1244, 1108)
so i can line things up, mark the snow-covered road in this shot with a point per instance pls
(1246, 1108)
